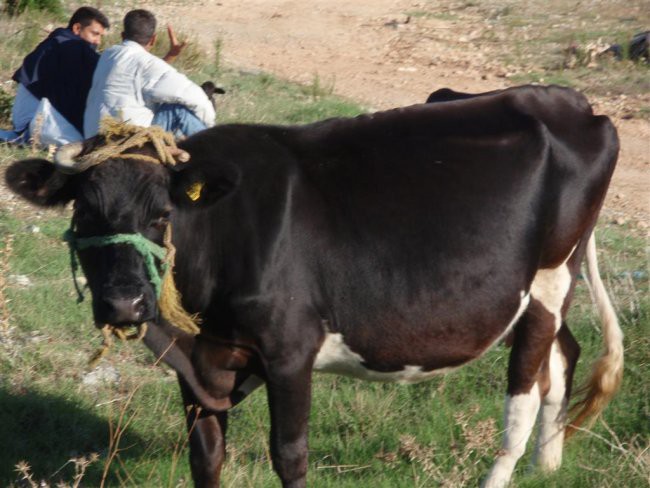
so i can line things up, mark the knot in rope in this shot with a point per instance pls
(121, 136)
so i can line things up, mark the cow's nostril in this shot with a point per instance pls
(138, 305)
(125, 309)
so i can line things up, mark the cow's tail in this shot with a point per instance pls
(607, 372)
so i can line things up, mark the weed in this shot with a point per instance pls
(218, 55)
(318, 89)
(6, 105)
(80, 464)
(17, 7)
(6, 250)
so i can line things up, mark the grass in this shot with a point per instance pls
(441, 433)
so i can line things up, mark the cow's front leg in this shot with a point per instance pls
(289, 394)
(207, 441)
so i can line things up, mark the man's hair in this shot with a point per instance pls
(139, 26)
(85, 16)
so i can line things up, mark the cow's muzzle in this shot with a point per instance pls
(124, 310)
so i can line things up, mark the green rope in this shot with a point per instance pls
(148, 249)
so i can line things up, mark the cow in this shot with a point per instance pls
(391, 246)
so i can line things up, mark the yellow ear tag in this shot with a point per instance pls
(194, 191)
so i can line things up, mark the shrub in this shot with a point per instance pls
(17, 7)
(6, 104)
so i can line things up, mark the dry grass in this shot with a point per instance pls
(477, 440)
(6, 340)
(81, 463)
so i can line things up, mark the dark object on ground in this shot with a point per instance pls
(211, 90)
(616, 50)
(639, 49)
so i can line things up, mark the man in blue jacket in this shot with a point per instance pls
(60, 69)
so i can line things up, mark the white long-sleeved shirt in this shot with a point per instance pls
(129, 83)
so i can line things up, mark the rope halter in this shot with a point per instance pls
(120, 137)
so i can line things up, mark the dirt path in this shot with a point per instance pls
(374, 53)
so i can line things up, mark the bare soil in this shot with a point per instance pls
(376, 54)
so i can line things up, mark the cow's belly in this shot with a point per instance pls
(335, 356)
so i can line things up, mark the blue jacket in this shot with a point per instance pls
(61, 69)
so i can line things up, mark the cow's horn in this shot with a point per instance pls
(64, 158)
(180, 155)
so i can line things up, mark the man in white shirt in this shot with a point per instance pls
(133, 85)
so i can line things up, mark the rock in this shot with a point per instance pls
(33, 229)
(397, 21)
(102, 374)
(36, 336)
(22, 281)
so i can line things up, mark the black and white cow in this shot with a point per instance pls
(392, 246)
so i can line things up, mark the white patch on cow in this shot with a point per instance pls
(523, 305)
(550, 288)
(520, 414)
(335, 356)
(552, 417)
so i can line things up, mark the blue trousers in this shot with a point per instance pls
(13, 137)
(177, 119)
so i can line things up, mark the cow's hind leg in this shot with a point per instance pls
(528, 379)
(533, 336)
(553, 415)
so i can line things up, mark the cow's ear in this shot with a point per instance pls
(39, 182)
(203, 186)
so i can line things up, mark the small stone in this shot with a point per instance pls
(620, 221)
(20, 280)
(33, 229)
(101, 375)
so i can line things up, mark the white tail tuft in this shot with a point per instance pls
(607, 372)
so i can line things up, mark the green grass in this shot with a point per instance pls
(441, 433)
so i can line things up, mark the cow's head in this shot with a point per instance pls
(121, 195)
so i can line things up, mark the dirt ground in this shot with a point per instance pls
(372, 52)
